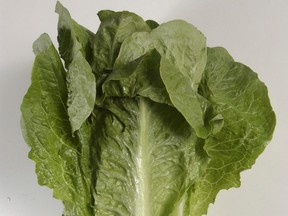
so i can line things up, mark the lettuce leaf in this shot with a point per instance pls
(75, 47)
(173, 121)
(46, 128)
(146, 158)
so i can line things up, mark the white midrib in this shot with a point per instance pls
(143, 200)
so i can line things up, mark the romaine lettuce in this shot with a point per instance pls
(143, 120)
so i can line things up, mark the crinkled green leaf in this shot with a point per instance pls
(137, 72)
(114, 28)
(148, 158)
(81, 91)
(73, 37)
(74, 47)
(184, 46)
(242, 99)
(46, 129)
(183, 57)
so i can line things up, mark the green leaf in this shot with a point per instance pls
(183, 58)
(148, 158)
(74, 47)
(73, 37)
(242, 99)
(81, 91)
(114, 28)
(184, 46)
(152, 24)
(137, 72)
(46, 129)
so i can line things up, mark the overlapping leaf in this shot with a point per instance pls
(75, 47)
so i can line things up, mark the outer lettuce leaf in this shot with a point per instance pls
(74, 46)
(242, 99)
(47, 130)
(149, 158)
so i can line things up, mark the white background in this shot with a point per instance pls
(255, 32)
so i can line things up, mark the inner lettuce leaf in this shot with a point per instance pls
(115, 27)
(143, 120)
